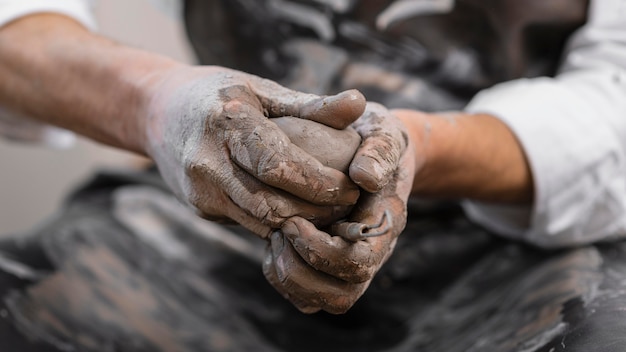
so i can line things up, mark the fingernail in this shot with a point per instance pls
(351, 95)
(278, 243)
(368, 178)
(343, 96)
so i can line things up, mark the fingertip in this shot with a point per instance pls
(337, 189)
(369, 176)
(338, 111)
(346, 107)
(351, 195)
(357, 101)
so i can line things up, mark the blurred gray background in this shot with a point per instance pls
(34, 180)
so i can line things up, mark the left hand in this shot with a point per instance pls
(209, 132)
(318, 271)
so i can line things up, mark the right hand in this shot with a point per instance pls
(316, 270)
(209, 134)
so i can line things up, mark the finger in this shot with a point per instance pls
(244, 219)
(249, 202)
(338, 111)
(350, 261)
(358, 261)
(306, 288)
(384, 141)
(380, 206)
(269, 270)
(259, 146)
(392, 199)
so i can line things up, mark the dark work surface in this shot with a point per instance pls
(125, 268)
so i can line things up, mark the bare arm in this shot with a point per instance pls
(472, 156)
(54, 70)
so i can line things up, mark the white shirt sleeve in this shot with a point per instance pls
(22, 128)
(573, 131)
(80, 10)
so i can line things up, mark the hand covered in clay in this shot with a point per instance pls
(210, 136)
(330, 269)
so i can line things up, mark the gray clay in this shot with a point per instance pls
(332, 147)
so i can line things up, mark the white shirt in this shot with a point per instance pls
(573, 131)
(80, 10)
(572, 128)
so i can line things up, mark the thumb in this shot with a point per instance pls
(338, 111)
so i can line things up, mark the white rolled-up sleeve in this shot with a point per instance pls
(573, 130)
(80, 10)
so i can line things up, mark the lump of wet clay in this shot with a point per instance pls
(332, 147)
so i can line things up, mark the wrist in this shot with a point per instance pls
(472, 156)
(150, 86)
(55, 71)
(161, 90)
(430, 137)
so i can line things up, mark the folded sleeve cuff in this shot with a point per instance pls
(79, 10)
(18, 128)
(575, 157)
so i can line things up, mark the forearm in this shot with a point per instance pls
(467, 156)
(55, 71)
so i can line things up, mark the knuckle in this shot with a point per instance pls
(270, 209)
(340, 304)
(316, 259)
(234, 92)
(194, 166)
(196, 172)
(384, 148)
(319, 193)
(232, 108)
(201, 176)
(272, 165)
(350, 270)
(361, 274)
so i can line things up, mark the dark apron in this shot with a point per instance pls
(434, 61)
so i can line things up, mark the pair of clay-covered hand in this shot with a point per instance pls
(213, 139)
